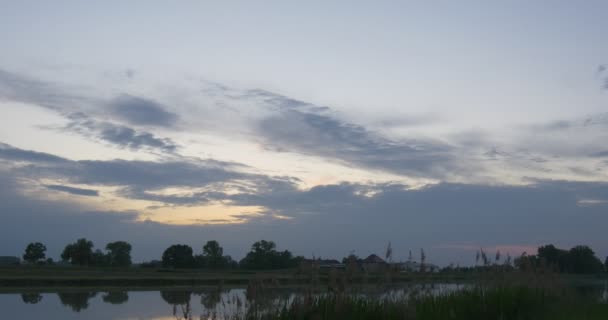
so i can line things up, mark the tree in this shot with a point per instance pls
(98, 258)
(606, 264)
(212, 249)
(581, 259)
(34, 252)
(263, 255)
(553, 257)
(119, 253)
(213, 255)
(80, 252)
(178, 256)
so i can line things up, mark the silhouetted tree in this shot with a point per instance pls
(98, 258)
(80, 252)
(31, 298)
(178, 256)
(606, 264)
(77, 301)
(212, 249)
(34, 252)
(582, 259)
(212, 256)
(116, 297)
(553, 257)
(579, 259)
(119, 253)
(263, 255)
(351, 258)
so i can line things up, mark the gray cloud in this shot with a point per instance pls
(7, 152)
(72, 190)
(132, 109)
(21, 88)
(118, 135)
(139, 178)
(322, 135)
(332, 220)
(599, 119)
(141, 111)
(600, 154)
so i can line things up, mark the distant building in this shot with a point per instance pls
(9, 261)
(373, 263)
(330, 264)
(414, 266)
(323, 263)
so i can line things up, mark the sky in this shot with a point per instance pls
(327, 127)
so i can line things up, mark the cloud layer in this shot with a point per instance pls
(445, 193)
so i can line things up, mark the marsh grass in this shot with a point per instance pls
(504, 303)
(495, 294)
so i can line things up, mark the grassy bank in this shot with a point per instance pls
(504, 303)
(20, 277)
(56, 276)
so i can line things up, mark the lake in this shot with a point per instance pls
(200, 303)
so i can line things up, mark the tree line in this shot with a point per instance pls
(264, 255)
(578, 259)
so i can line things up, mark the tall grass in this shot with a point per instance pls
(501, 303)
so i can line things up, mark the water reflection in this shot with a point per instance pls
(205, 303)
(77, 301)
(116, 297)
(211, 298)
(180, 301)
(31, 298)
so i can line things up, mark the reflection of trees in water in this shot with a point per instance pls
(31, 298)
(77, 301)
(262, 300)
(116, 297)
(180, 300)
(210, 298)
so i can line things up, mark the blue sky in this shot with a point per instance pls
(443, 125)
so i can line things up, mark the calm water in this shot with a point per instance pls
(175, 304)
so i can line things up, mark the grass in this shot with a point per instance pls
(500, 303)
(59, 276)
(342, 295)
